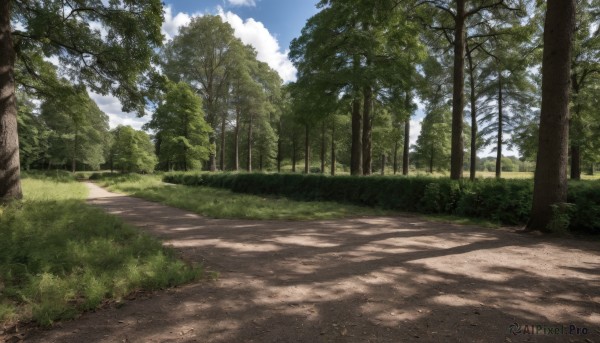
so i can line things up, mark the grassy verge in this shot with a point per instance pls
(59, 256)
(220, 203)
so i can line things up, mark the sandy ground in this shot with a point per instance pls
(396, 279)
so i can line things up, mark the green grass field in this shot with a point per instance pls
(59, 256)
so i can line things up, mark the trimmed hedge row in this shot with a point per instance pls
(504, 201)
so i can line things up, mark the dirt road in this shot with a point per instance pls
(394, 279)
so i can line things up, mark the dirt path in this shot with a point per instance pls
(355, 280)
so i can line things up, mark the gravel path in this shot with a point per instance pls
(392, 279)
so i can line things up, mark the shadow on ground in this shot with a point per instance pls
(355, 280)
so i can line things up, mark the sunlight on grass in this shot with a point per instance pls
(59, 256)
(219, 203)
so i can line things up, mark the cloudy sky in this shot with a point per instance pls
(268, 25)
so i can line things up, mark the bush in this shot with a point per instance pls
(503, 201)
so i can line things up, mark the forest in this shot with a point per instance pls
(469, 72)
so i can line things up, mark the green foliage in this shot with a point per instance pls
(60, 257)
(78, 128)
(218, 203)
(182, 134)
(502, 201)
(110, 59)
(131, 151)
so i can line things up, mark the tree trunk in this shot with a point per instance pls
(75, 144)
(395, 157)
(474, 129)
(323, 147)
(592, 168)
(249, 165)
(333, 149)
(575, 162)
(260, 160)
(212, 158)
(279, 146)
(222, 147)
(236, 143)
(458, 101)
(294, 148)
(500, 129)
(10, 181)
(367, 131)
(406, 152)
(306, 150)
(550, 185)
(356, 149)
(382, 164)
(431, 160)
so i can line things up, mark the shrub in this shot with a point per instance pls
(503, 201)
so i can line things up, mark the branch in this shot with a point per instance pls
(437, 5)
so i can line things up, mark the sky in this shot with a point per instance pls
(268, 25)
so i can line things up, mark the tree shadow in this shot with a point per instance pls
(390, 279)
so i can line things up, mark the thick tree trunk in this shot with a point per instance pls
(356, 149)
(306, 149)
(212, 157)
(367, 131)
(550, 185)
(474, 129)
(333, 149)
(500, 129)
(249, 164)
(323, 147)
(592, 168)
(406, 152)
(10, 181)
(458, 101)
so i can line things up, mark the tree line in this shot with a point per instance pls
(478, 69)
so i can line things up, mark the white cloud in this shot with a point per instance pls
(242, 2)
(112, 107)
(254, 33)
(171, 25)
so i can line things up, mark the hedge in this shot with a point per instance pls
(503, 201)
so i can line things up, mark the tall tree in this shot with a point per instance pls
(203, 55)
(181, 131)
(550, 185)
(131, 151)
(453, 17)
(110, 62)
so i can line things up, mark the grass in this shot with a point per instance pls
(219, 203)
(60, 257)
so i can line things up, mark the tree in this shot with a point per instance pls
(182, 134)
(79, 129)
(34, 134)
(584, 80)
(456, 18)
(203, 54)
(550, 185)
(131, 151)
(113, 61)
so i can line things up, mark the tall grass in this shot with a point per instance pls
(59, 256)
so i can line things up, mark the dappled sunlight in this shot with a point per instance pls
(379, 279)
